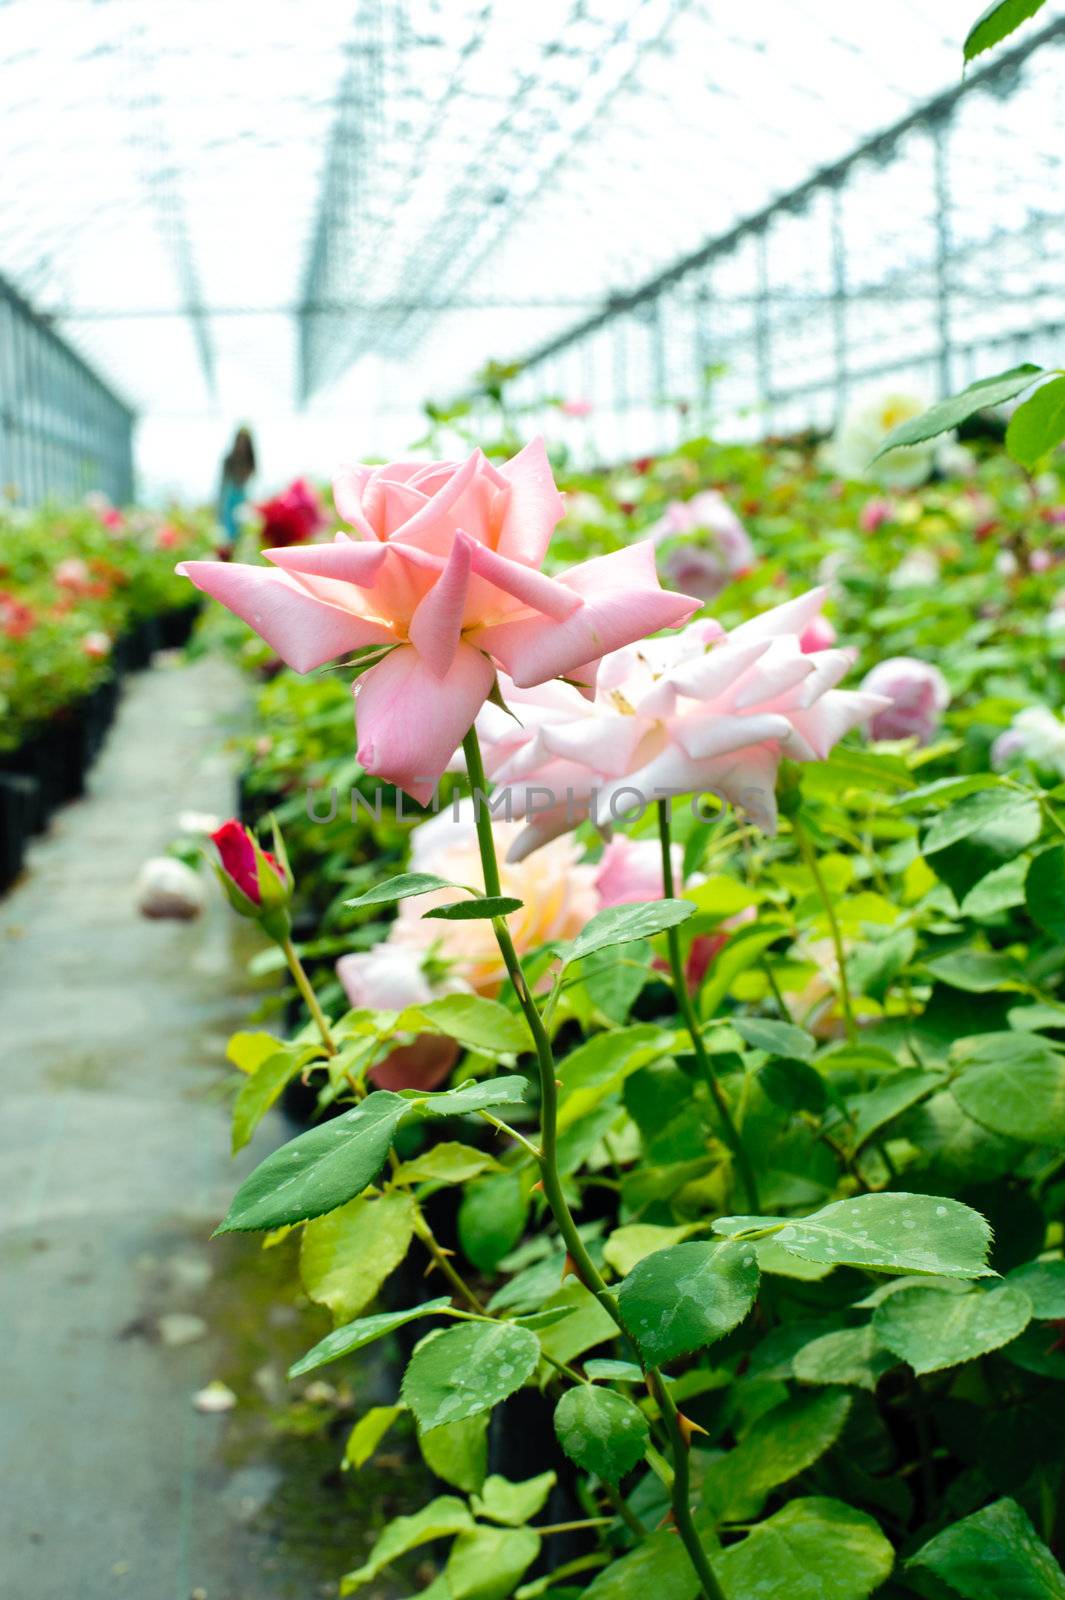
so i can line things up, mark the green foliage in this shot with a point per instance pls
(683, 1298)
(868, 1386)
(320, 1170)
(947, 414)
(601, 1431)
(1001, 18)
(933, 1328)
(994, 1553)
(890, 1232)
(456, 1372)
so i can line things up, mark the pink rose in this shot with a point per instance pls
(917, 695)
(704, 565)
(630, 870)
(576, 408)
(443, 571)
(73, 573)
(874, 514)
(292, 517)
(701, 712)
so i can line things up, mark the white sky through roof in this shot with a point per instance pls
(512, 165)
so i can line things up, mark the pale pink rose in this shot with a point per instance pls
(72, 573)
(717, 547)
(875, 513)
(630, 870)
(1042, 560)
(701, 712)
(576, 408)
(97, 645)
(390, 978)
(819, 634)
(557, 892)
(917, 694)
(443, 570)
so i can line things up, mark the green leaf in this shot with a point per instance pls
(947, 414)
(458, 1452)
(589, 1323)
(601, 1431)
(486, 1563)
(248, 1051)
(850, 1356)
(1044, 1284)
(1038, 425)
(1044, 891)
(776, 1038)
(320, 1170)
(781, 1444)
(600, 1066)
(450, 1162)
(624, 924)
(932, 1328)
(976, 971)
(514, 1503)
(974, 811)
(943, 790)
(998, 891)
(658, 1567)
(367, 1434)
(629, 1244)
(607, 1370)
(893, 1232)
(441, 1516)
(992, 1555)
(471, 910)
(401, 888)
(259, 1092)
(477, 1023)
(795, 1085)
(342, 1341)
(456, 1372)
(814, 1549)
(1015, 1086)
(473, 1096)
(893, 1095)
(492, 1219)
(685, 1297)
(1001, 18)
(744, 948)
(346, 1256)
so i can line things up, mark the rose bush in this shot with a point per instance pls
(727, 1231)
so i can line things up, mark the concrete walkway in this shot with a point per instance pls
(114, 1140)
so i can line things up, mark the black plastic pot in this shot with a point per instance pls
(175, 627)
(19, 797)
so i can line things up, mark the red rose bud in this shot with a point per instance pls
(258, 882)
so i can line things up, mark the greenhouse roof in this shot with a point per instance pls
(235, 206)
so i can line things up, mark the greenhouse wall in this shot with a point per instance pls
(873, 272)
(63, 432)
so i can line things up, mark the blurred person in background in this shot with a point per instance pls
(238, 469)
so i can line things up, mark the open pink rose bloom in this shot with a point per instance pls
(443, 569)
(700, 712)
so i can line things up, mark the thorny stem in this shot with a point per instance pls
(809, 855)
(691, 1022)
(682, 1511)
(295, 966)
(549, 1174)
(421, 1226)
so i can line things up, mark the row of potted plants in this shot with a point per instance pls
(87, 592)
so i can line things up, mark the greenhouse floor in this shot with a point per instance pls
(114, 1148)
